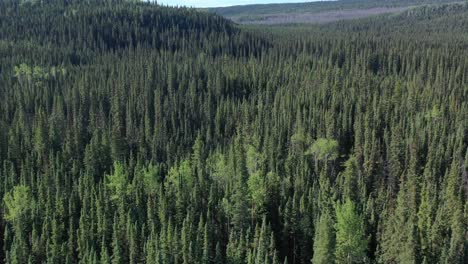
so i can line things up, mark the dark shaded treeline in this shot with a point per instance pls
(134, 133)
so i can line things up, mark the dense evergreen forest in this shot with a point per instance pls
(136, 133)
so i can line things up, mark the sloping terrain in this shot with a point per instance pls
(136, 133)
(318, 18)
(317, 12)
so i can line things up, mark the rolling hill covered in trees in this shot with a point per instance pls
(318, 12)
(136, 133)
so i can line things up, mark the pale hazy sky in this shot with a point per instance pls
(215, 3)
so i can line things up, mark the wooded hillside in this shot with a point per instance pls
(134, 133)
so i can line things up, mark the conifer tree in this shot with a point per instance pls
(324, 241)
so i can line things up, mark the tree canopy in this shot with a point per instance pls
(137, 133)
